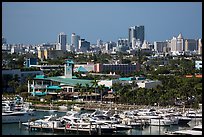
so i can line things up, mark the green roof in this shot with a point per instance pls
(69, 81)
(54, 87)
(127, 78)
(81, 69)
(40, 76)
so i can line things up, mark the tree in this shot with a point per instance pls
(79, 88)
(87, 88)
(95, 85)
(14, 84)
(102, 87)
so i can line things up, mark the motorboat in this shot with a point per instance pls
(196, 130)
(162, 121)
(48, 121)
(10, 115)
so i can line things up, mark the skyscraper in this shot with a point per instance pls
(62, 40)
(75, 41)
(136, 32)
(200, 46)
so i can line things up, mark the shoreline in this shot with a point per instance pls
(108, 106)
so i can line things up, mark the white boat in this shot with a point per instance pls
(193, 114)
(121, 126)
(134, 122)
(15, 116)
(162, 121)
(48, 121)
(197, 130)
(11, 116)
(62, 107)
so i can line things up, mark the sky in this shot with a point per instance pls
(41, 22)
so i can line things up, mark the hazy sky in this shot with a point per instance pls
(37, 22)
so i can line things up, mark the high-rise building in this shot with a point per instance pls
(177, 44)
(122, 45)
(136, 32)
(160, 46)
(75, 41)
(190, 45)
(84, 45)
(62, 40)
(199, 46)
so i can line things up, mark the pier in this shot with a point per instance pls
(64, 129)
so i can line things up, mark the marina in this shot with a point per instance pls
(87, 128)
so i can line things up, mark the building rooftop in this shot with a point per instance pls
(67, 81)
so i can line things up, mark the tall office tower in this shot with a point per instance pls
(122, 45)
(160, 46)
(190, 45)
(62, 40)
(200, 46)
(136, 32)
(177, 44)
(75, 41)
(180, 43)
(84, 45)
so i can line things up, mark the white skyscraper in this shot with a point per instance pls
(177, 44)
(75, 41)
(62, 40)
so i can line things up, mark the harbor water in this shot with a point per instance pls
(19, 129)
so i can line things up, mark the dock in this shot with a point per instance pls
(65, 129)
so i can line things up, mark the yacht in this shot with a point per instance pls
(162, 121)
(197, 130)
(47, 121)
(9, 115)
(15, 116)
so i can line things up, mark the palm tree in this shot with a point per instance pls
(102, 87)
(87, 88)
(95, 84)
(78, 87)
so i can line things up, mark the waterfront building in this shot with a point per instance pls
(62, 40)
(22, 76)
(136, 32)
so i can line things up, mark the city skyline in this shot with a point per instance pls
(41, 22)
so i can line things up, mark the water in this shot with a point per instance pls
(13, 129)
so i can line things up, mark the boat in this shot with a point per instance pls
(48, 121)
(10, 115)
(121, 126)
(196, 130)
(162, 121)
(15, 116)
(193, 114)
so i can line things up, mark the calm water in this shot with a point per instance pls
(13, 129)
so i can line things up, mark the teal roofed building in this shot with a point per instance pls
(81, 69)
